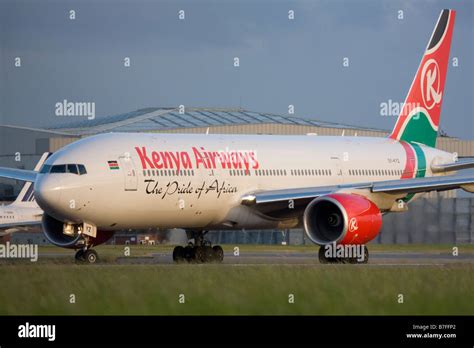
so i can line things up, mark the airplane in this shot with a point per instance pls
(24, 212)
(336, 188)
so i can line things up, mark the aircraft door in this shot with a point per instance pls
(129, 172)
(336, 164)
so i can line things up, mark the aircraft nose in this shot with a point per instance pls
(48, 192)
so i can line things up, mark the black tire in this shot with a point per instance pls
(188, 253)
(199, 254)
(352, 260)
(366, 255)
(322, 258)
(90, 256)
(79, 256)
(218, 253)
(178, 254)
(208, 254)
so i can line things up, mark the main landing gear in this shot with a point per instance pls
(201, 251)
(333, 260)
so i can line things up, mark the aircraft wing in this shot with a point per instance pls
(18, 174)
(19, 224)
(405, 186)
(9, 228)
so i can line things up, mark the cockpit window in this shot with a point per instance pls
(58, 168)
(45, 169)
(82, 169)
(72, 168)
(78, 169)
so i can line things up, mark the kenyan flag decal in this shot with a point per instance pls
(113, 165)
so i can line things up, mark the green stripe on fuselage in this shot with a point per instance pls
(420, 168)
(421, 159)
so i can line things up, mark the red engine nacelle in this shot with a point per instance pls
(342, 218)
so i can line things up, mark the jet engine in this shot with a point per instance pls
(342, 218)
(70, 235)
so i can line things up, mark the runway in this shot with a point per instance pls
(310, 258)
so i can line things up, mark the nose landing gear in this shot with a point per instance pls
(201, 251)
(86, 255)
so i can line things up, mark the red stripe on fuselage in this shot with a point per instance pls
(409, 171)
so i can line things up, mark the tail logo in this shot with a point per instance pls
(429, 76)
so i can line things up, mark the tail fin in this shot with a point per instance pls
(419, 118)
(26, 196)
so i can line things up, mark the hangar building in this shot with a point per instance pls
(21, 147)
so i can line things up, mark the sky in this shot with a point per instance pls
(191, 62)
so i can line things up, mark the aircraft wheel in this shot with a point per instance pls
(90, 256)
(80, 256)
(218, 253)
(366, 255)
(322, 258)
(208, 253)
(199, 254)
(178, 254)
(188, 253)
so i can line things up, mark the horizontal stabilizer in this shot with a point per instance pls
(463, 163)
(418, 185)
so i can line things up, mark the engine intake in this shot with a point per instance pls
(68, 236)
(54, 231)
(342, 218)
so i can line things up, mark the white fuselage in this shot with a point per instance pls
(197, 181)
